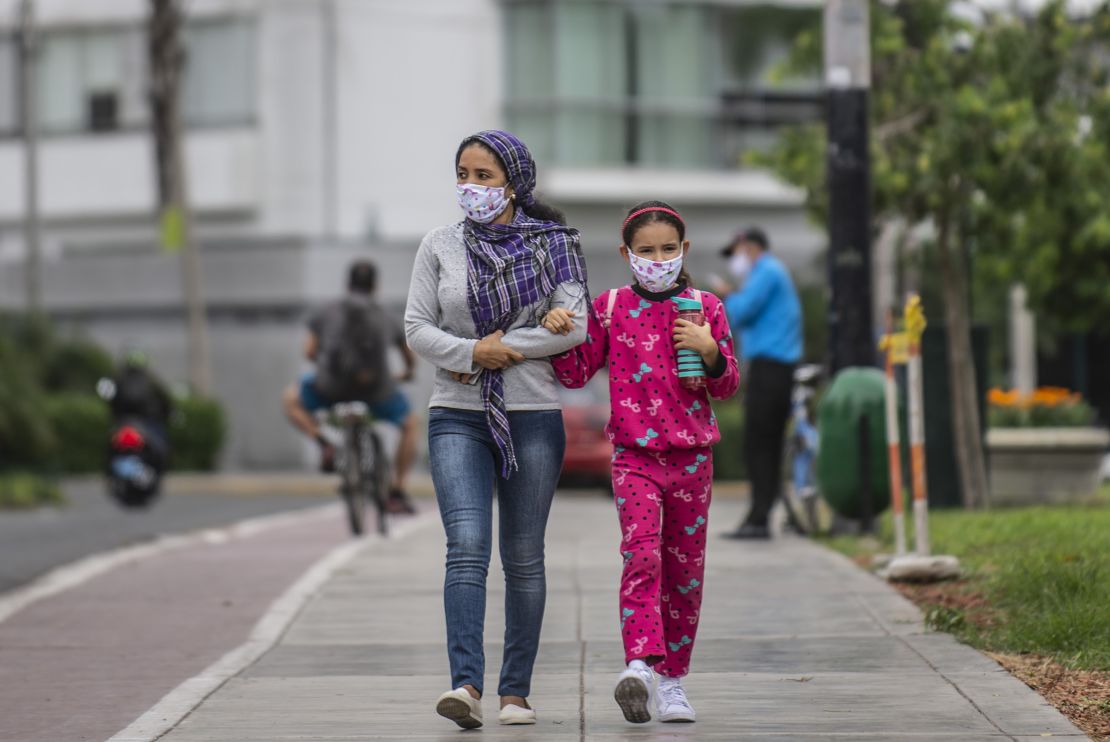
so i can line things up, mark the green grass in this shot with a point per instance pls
(1045, 571)
(22, 491)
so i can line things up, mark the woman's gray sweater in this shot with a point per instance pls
(440, 330)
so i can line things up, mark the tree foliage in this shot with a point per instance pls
(996, 127)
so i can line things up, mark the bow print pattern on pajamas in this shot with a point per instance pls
(662, 465)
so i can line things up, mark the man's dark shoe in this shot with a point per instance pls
(399, 503)
(327, 458)
(749, 531)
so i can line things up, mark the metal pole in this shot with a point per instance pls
(329, 93)
(28, 49)
(847, 81)
(1023, 342)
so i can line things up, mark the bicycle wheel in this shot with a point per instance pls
(354, 487)
(376, 474)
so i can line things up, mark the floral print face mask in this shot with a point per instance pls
(482, 204)
(653, 275)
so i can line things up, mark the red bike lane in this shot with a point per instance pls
(85, 663)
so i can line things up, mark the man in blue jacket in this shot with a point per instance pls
(768, 315)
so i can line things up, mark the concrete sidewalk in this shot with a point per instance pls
(795, 643)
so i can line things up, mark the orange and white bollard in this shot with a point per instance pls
(915, 325)
(920, 566)
(894, 346)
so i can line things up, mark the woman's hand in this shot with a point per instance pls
(493, 354)
(559, 321)
(698, 338)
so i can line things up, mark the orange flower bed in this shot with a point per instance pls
(1047, 396)
(1044, 406)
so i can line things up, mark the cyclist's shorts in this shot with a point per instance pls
(393, 409)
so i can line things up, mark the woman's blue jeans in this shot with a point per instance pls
(466, 472)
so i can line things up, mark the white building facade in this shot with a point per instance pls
(318, 130)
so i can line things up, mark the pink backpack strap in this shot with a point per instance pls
(607, 318)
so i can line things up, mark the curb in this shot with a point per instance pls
(1012, 707)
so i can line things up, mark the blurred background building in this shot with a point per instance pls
(321, 130)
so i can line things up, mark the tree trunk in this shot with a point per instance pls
(167, 58)
(961, 371)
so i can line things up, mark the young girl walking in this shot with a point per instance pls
(662, 428)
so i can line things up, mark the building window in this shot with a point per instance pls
(219, 85)
(659, 84)
(91, 80)
(9, 86)
(95, 80)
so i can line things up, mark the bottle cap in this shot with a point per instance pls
(687, 305)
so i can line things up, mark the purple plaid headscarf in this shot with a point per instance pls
(512, 266)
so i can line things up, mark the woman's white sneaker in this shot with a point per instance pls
(671, 703)
(513, 714)
(633, 692)
(460, 707)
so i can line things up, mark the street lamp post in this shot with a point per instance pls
(847, 81)
(28, 49)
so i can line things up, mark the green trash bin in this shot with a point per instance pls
(855, 394)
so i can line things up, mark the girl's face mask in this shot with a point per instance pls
(481, 204)
(653, 275)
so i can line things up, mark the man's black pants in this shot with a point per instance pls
(766, 410)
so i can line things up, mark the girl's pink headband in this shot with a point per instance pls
(664, 209)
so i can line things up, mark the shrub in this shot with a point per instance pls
(75, 365)
(26, 438)
(81, 424)
(728, 455)
(197, 432)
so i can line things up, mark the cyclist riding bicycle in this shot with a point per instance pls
(349, 341)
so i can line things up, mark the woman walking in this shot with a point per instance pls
(479, 290)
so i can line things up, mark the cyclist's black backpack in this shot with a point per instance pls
(350, 359)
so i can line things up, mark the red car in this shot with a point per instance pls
(589, 453)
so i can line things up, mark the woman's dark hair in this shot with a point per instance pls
(537, 209)
(632, 226)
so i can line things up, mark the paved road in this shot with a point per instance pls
(31, 543)
(796, 643)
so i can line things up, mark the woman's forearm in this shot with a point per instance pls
(539, 342)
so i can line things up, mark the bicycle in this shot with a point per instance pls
(800, 499)
(363, 465)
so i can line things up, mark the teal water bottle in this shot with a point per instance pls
(691, 369)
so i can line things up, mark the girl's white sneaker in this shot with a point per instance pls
(460, 707)
(633, 692)
(513, 714)
(671, 703)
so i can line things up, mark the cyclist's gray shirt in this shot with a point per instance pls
(440, 329)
